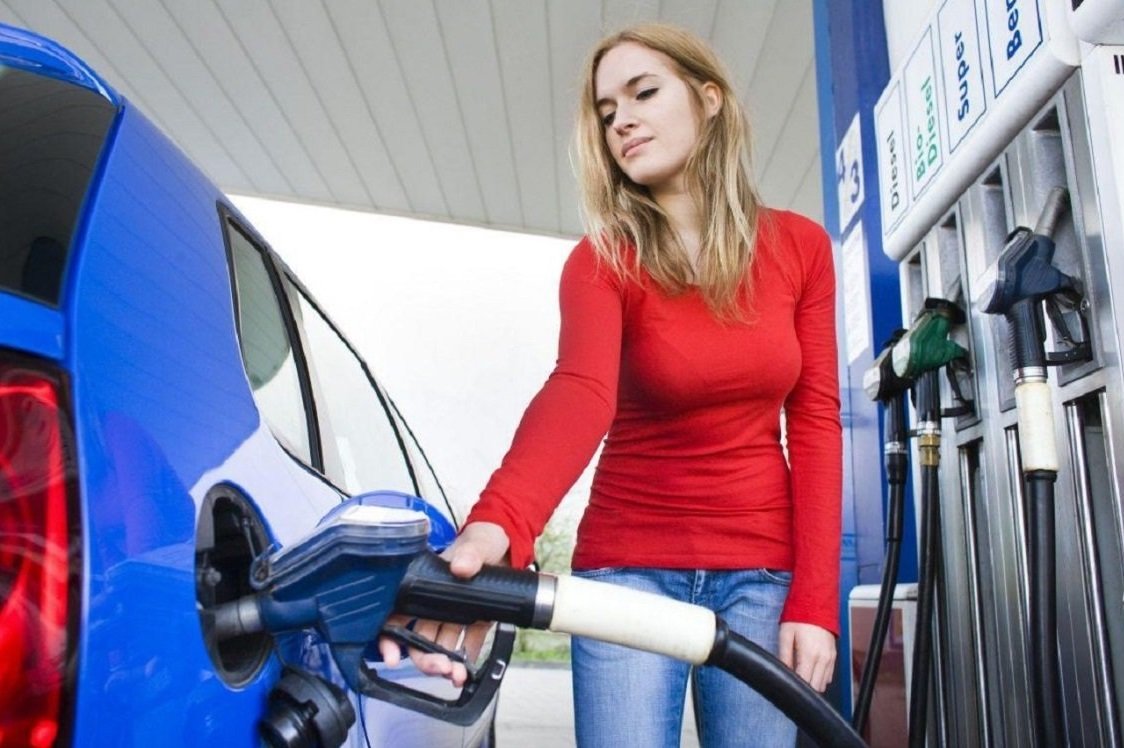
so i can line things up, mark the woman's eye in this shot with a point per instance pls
(607, 119)
(647, 93)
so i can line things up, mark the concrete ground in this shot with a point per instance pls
(536, 710)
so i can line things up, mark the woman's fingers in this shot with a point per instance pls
(478, 544)
(810, 651)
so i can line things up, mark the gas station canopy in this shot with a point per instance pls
(453, 110)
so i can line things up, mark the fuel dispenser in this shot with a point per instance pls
(1029, 640)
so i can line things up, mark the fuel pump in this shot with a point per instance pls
(883, 385)
(1025, 281)
(917, 358)
(368, 558)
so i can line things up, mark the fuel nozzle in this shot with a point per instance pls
(925, 346)
(346, 577)
(1024, 278)
(880, 382)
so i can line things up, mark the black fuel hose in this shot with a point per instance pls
(757, 668)
(927, 393)
(582, 607)
(1043, 610)
(896, 462)
(611, 613)
(926, 587)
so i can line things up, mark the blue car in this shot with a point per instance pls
(173, 405)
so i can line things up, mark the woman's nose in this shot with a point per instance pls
(623, 121)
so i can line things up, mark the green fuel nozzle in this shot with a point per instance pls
(925, 346)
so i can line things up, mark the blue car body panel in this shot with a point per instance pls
(154, 360)
(163, 412)
(32, 327)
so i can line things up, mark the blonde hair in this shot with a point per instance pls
(617, 211)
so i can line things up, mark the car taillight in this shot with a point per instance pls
(37, 601)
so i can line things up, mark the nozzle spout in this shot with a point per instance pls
(1057, 202)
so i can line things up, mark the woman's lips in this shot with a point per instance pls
(632, 145)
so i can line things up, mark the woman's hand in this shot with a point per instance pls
(810, 651)
(478, 544)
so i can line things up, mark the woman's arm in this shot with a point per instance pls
(814, 438)
(565, 422)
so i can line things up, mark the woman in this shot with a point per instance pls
(691, 315)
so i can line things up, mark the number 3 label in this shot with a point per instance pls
(849, 174)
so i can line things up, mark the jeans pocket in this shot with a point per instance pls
(777, 576)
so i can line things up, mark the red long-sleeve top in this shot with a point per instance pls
(693, 473)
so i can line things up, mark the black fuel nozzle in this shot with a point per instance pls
(880, 381)
(883, 385)
(1025, 277)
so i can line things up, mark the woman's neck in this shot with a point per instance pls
(684, 219)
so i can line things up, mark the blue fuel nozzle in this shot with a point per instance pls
(371, 556)
(1024, 278)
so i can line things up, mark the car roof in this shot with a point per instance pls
(29, 51)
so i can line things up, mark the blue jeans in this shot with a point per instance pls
(623, 697)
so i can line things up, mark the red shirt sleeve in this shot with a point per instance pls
(566, 421)
(814, 439)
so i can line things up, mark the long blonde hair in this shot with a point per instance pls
(617, 211)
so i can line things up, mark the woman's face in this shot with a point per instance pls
(649, 114)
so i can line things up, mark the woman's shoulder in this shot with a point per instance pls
(796, 246)
(587, 262)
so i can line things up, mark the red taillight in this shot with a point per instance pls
(35, 553)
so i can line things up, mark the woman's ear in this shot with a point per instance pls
(712, 98)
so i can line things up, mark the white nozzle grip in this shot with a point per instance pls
(1037, 445)
(640, 620)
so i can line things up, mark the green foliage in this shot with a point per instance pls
(553, 551)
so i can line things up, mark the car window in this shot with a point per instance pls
(428, 483)
(51, 133)
(362, 450)
(267, 351)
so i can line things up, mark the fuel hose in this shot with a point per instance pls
(928, 442)
(896, 464)
(368, 558)
(1025, 278)
(617, 615)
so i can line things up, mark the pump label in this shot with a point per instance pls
(1014, 32)
(856, 294)
(923, 115)
(964, 100)
(890, 129)
(849, 173)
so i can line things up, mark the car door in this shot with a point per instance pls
(324, 407)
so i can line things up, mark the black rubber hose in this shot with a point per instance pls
(1043, 606)
(761, 671)
(881, 616)
(896, 469)
(926, 587)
